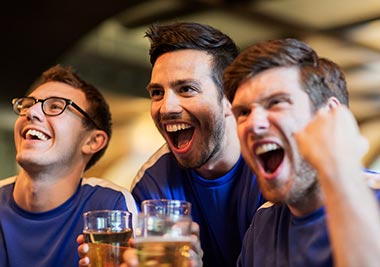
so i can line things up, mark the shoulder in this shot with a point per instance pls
(266, 210)
(372, 178)
(94, 181)
(7, 181)
(157, 165)
(266, 205)
(105, 184)
(270, 213)
(6, 188)
(245, 170)
(110, 186)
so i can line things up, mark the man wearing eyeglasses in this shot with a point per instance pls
(63, 128)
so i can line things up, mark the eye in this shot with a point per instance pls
(278, 101)
(156, 93)
(241, 112)
(274, 102)
(25, 105)
(244, 113)
(187, 90)
(56, 106)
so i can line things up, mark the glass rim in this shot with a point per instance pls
(164, 200)
(166, 206)
(89, 212)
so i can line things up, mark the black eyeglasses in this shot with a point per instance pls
(51, 106)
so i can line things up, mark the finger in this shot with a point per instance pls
(196, 244)
(131, 242)
(83, 250)
(195, 228)
(80, 239)
(195, 258)
(196, 252)
(84, 262)
(130, 257)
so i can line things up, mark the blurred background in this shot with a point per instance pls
(104, 41)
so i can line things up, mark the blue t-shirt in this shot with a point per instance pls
(223, 207)
(48, 239)
(277, 238)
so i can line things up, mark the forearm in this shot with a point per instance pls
(353, 218)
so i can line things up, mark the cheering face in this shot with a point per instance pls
(269, 108)
(51, 141)
(185, 106)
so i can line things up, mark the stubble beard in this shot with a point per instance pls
(305, 185)
(209, 148)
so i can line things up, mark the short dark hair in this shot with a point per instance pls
(335, 79)
(191, 35)
(98, 108)
(320, 78)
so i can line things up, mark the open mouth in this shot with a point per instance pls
(180, 134)
(270, 156)
(35, 135)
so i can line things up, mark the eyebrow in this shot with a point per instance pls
(153, 86)
(176, 83)
(236, 108)
(262, 99)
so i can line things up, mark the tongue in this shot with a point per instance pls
(183, 138)
(271, 160)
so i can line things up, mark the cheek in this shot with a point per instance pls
(301, 119)
(245, 129)
(290, 124)
(154, 110)
(241, 133)
(18, 121)
(17, 128)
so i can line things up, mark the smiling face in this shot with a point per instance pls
(269, 108)
(186, 107)
(50, 141)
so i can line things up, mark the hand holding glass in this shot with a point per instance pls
(107, 233)
(163, 233)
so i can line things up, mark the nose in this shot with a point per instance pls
(171, 103)
(258, 120)
(35, 112)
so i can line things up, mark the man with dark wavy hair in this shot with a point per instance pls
(201, 160)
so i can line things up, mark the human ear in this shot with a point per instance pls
(95, 141)
(227, 107)
(331, 104)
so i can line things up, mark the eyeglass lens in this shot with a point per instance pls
(54, 106)
(50, 106)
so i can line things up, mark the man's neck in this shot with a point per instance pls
(228, 155)
(307, 204)
(43, 192)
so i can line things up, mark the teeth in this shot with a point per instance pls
(37, 134)
(266, 148)
(177, 127)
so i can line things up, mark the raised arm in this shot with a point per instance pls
(333, 145)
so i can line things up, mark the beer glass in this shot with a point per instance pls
(163, 233)
(107, 233)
